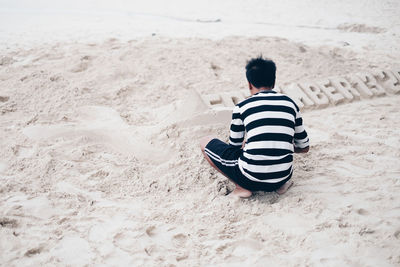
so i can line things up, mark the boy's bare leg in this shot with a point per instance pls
(239, 191)
(282, 190)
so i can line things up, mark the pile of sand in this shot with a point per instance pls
(100, 161)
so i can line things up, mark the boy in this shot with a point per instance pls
(274, 131)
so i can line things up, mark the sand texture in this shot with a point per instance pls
(100, 163)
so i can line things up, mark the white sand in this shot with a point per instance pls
(362, 25)
(100, 162)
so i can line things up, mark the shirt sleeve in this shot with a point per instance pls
(237, 130)
(300, 135)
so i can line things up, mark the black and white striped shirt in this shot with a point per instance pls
(273, 127)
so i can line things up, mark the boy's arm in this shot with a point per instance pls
(236, 135)
(301, 140)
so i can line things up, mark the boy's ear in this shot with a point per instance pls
(250, 86)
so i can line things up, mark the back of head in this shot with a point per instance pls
(261, 72)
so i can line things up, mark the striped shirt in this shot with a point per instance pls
(273, 125)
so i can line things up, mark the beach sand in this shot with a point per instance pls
(100, 162)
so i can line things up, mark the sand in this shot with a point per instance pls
(100, 162)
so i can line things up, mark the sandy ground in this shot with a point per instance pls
(361, 24)
(100, 163)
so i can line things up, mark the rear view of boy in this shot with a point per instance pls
(274, 131)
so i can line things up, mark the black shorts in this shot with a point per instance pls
(226, 158)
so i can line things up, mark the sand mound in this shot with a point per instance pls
(361, 28)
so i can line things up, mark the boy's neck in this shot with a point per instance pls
(255, 90)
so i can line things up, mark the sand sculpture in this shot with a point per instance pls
(325, 92)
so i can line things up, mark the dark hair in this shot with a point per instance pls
(261, 72)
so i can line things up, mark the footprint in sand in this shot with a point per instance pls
(366, 230)
(22, 151)
(127, 241)
(56, 78)
(150, 231)
(33, 251)
(4, 98)
(397, 234)
(164, 237)
(10, 223)
(5, 61)
(241, 248)
(179, 240)
(362, 212)
(216, 69)
(83, 65)
(80, 67)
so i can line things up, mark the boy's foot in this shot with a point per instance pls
(241, 192)
(282, 190)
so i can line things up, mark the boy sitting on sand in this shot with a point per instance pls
(274, 131)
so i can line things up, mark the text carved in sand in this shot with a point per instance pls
(331, 91)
